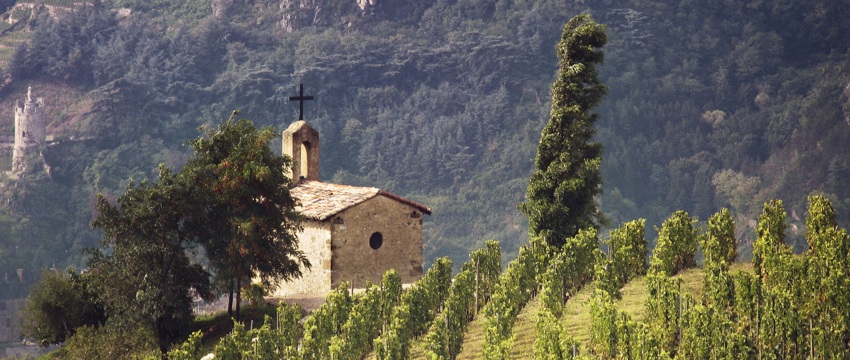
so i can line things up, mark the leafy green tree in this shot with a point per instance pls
(516, 285)
(677, 245)
(603, 333)
(605, 275)
(363, 325)
(324, 323)
(663, 310)
(437, 339)
(427, 295)
(562, 190)
(142, 272)
(627, 245)
(718, 247)
(769, 247)
(250, 208)
(746, 310)
(58, 305)
(553, 292)
(781, 327)
(827, 284)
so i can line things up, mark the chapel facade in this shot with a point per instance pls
(350, 233)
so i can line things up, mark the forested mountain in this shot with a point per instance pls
(711, 104)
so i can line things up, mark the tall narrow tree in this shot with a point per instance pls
(561, 192)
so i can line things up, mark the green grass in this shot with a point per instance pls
(525, 329)
(473, 340)
(576, 316)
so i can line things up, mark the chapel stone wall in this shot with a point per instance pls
(354, 257)
(315, 242)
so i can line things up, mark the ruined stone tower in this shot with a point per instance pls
(30, 133)
(301, 143)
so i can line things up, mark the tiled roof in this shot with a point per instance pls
(319, 200)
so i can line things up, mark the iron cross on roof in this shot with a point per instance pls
(300, 99)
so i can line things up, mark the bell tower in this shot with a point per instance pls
(301, 143)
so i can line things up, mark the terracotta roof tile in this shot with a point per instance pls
(319, 200)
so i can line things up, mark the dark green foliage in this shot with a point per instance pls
(560, 198)
(142, 273)
(105, 342)
(760, 93)
(58, 305)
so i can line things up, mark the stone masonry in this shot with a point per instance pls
(351, 233)
(30, 130)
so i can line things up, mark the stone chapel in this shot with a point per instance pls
(351, 233)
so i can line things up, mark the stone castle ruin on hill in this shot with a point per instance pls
(30, 131)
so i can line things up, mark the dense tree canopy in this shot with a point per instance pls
(251, 215)
(719, 105)
(142, 272)
(58, 305)
(562, 191)
(231, 201)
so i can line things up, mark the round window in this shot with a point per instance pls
(376, 240)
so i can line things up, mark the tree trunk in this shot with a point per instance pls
(238, 288)
(230, 299)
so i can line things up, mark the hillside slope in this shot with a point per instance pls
(438, 101)
(577, 318)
